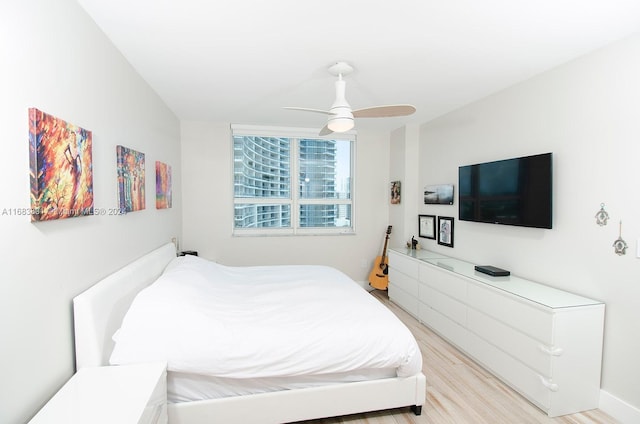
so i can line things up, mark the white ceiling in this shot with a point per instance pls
(241, 61)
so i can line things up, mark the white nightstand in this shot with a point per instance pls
(125, 394)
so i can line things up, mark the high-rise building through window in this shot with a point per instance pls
(291, 184)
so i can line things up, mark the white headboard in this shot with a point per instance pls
(98, 312)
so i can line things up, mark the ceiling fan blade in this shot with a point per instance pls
(325, 130)
(384, 111)
(306, 109)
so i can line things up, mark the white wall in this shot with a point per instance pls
(397, 172)
(208, 208)
(587, 113)
(54, 58)
(404, 166)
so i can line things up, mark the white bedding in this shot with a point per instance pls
(263, 324)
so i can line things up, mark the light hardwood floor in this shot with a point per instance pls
(460, 391)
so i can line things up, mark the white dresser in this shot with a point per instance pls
(127, 394)
(544, 342)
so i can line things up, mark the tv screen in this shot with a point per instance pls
(514, 191)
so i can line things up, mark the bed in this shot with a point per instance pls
(111, 308)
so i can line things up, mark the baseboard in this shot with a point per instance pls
(618, 409)
(365, 285)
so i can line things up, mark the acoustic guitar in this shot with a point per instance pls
(379, 276)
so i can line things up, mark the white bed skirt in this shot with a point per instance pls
(185, 387)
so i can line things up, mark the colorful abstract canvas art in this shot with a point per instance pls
(131, 190)
(163, 185)
(61, 168)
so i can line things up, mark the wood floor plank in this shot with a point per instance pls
(460, 391)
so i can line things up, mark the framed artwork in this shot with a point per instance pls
(131, 190)
(61, 165)
(163, 186)
(395, 192)
(427, 226)
(441, 194)
(445, 231)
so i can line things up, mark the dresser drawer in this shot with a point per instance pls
(444, 281)
(520, 377)
(532, 321)
(404, 264)
(404, 281)
(444, 326)
(451, 308)
(527, 350)
(403, 299)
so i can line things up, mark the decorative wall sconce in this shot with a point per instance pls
(602, 216)
(620, 245)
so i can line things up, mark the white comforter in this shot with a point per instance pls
(257, 322)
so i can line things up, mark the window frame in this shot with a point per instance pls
(294, 200)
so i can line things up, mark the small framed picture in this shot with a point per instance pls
(445, 231)
(395, 192)
(441, 194)
(427, 226)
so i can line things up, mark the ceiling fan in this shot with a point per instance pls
(341, 116)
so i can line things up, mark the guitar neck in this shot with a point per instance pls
(384, 249)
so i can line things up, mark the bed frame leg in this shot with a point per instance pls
(417, 409)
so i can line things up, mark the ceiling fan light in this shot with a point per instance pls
(340, 124)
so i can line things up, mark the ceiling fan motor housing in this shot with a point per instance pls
(341, 117)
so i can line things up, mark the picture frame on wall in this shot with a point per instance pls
(395, 192)
(427, 226)
(445, 231)
(441, 194)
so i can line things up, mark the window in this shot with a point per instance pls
(289, 181)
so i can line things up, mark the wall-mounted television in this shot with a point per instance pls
(514, 191)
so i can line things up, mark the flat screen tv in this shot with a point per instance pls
(514, 191)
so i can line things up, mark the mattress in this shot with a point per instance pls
(225, 331)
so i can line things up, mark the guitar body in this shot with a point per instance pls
(379, 275)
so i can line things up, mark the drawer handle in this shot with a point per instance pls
(548, 384)
(554, 351)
